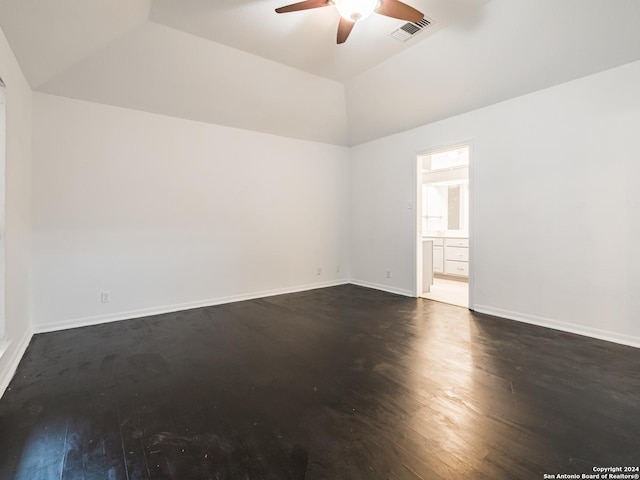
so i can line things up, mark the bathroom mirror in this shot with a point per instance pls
(445, 208)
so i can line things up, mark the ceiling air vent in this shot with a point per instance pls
(408, 30)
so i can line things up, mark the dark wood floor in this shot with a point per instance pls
(337, 383)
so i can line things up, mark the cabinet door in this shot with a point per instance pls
(438, 260)
(427, 266)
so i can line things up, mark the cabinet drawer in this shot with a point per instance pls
(456, 268)
(456, 242)
(459, 254)
(437, 242)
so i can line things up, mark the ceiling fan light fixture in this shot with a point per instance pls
(355, 10)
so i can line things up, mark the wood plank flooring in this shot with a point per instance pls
(336, 383)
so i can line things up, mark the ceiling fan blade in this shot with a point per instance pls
(344, 29)
(399, 10)
(306, 5)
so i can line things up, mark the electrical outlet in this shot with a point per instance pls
(338, 269)
(318, 271)
(105, 297)
(388, 273)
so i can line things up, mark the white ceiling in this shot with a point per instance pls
(48, 37)
(238, 63)
(305, 40)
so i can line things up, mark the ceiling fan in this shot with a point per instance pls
(354, 11)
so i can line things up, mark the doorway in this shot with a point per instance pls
(443, 219)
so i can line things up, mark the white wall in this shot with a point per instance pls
(158, 69)
(555, 205)
(3, 149)
(17, 223)
(166, 213)
(497, 54)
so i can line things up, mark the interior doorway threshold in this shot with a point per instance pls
(453, 292)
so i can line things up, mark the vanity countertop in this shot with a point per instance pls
(429, 237)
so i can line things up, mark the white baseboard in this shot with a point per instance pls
(4, 346)
(146, 312)
(11, 365)
(18, 352)
(607, 335)
(384, 288)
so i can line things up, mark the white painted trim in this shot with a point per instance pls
(12, 365)
(607, 335)
(471, 294)
(384, 288)
(418, 273)
(146, 312)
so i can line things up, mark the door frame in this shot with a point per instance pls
(417, 240)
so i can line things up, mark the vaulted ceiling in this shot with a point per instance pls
(238, 63)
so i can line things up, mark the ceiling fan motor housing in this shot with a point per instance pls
(355, 10)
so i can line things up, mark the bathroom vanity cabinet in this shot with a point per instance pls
(450, 255)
